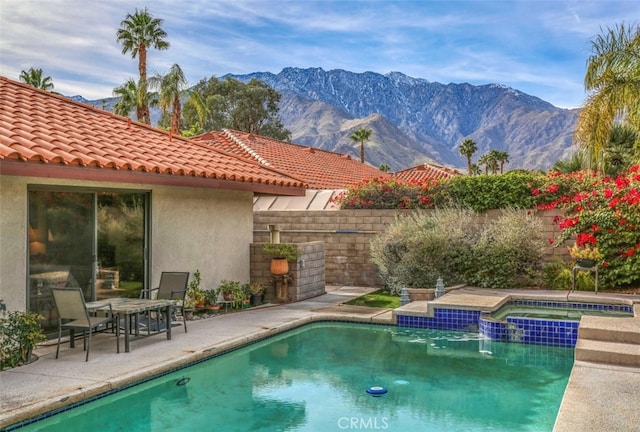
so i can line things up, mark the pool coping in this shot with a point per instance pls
(69, 379)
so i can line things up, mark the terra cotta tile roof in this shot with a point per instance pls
(321, 169)
(426, 171)
(43, 134)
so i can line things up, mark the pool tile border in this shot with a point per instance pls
(557, 332)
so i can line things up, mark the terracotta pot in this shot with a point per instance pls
(279, 266)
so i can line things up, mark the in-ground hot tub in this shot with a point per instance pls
(544, 322)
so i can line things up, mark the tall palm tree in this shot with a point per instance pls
(171, 86)
(485, 160)
(34, 78)
(361, 136)
(502, 157)
(492, 158)
(137, 33)
(613, 82)
(468, 149)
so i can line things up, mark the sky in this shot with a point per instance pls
(539, 47)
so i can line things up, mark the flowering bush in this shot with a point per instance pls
(601, 212)
(385, 193)
(479, 193)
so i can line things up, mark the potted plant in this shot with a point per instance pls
(232, 291)
(195, 295)
(20, 333)
(257, 293)
(586, 256)
(281, 254)
(246, 294)
(211, 298)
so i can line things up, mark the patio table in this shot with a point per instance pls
(126, 308)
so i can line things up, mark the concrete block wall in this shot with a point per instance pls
(307, 275)
(346, 235)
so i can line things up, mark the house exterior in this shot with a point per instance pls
(425, 172)
(326, 173)
(96, 200)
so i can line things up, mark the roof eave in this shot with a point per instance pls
(26, 169)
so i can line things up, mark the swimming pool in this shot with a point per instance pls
(315, 378)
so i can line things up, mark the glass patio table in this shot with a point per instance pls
(128, 308)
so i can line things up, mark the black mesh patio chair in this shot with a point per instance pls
(173, 286)
(73, 315)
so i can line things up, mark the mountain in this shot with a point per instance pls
(414, 120)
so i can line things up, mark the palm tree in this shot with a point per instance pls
(485, 160)
(138, 32)
(502, 157)
(573, 164)
(468, 149)
(613, 82)
(132, 96)
(34, 78)
(171, 87)
(623, 149)
(492, 158)
(361, 135)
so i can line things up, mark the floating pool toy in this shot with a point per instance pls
(376, 391)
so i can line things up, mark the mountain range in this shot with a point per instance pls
(414, 120)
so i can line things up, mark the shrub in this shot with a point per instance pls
(508, 253)
(20, 333)
(487, 192)
(554, 275)
(416, 249)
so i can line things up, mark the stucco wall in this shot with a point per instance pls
(191, 229)
(347, 233)
(209, 230)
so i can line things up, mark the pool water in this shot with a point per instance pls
(315, 378)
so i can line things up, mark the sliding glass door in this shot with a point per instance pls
(95, 240)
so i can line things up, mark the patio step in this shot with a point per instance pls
(613, 353)
(613, 341)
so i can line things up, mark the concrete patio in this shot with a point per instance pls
(598, 397)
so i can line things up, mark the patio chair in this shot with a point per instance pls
(72, 308)
(173, 286)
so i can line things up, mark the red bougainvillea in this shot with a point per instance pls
(599, 211)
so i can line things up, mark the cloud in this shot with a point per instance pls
(538, 50)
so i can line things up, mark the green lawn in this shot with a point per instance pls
(379, 299)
